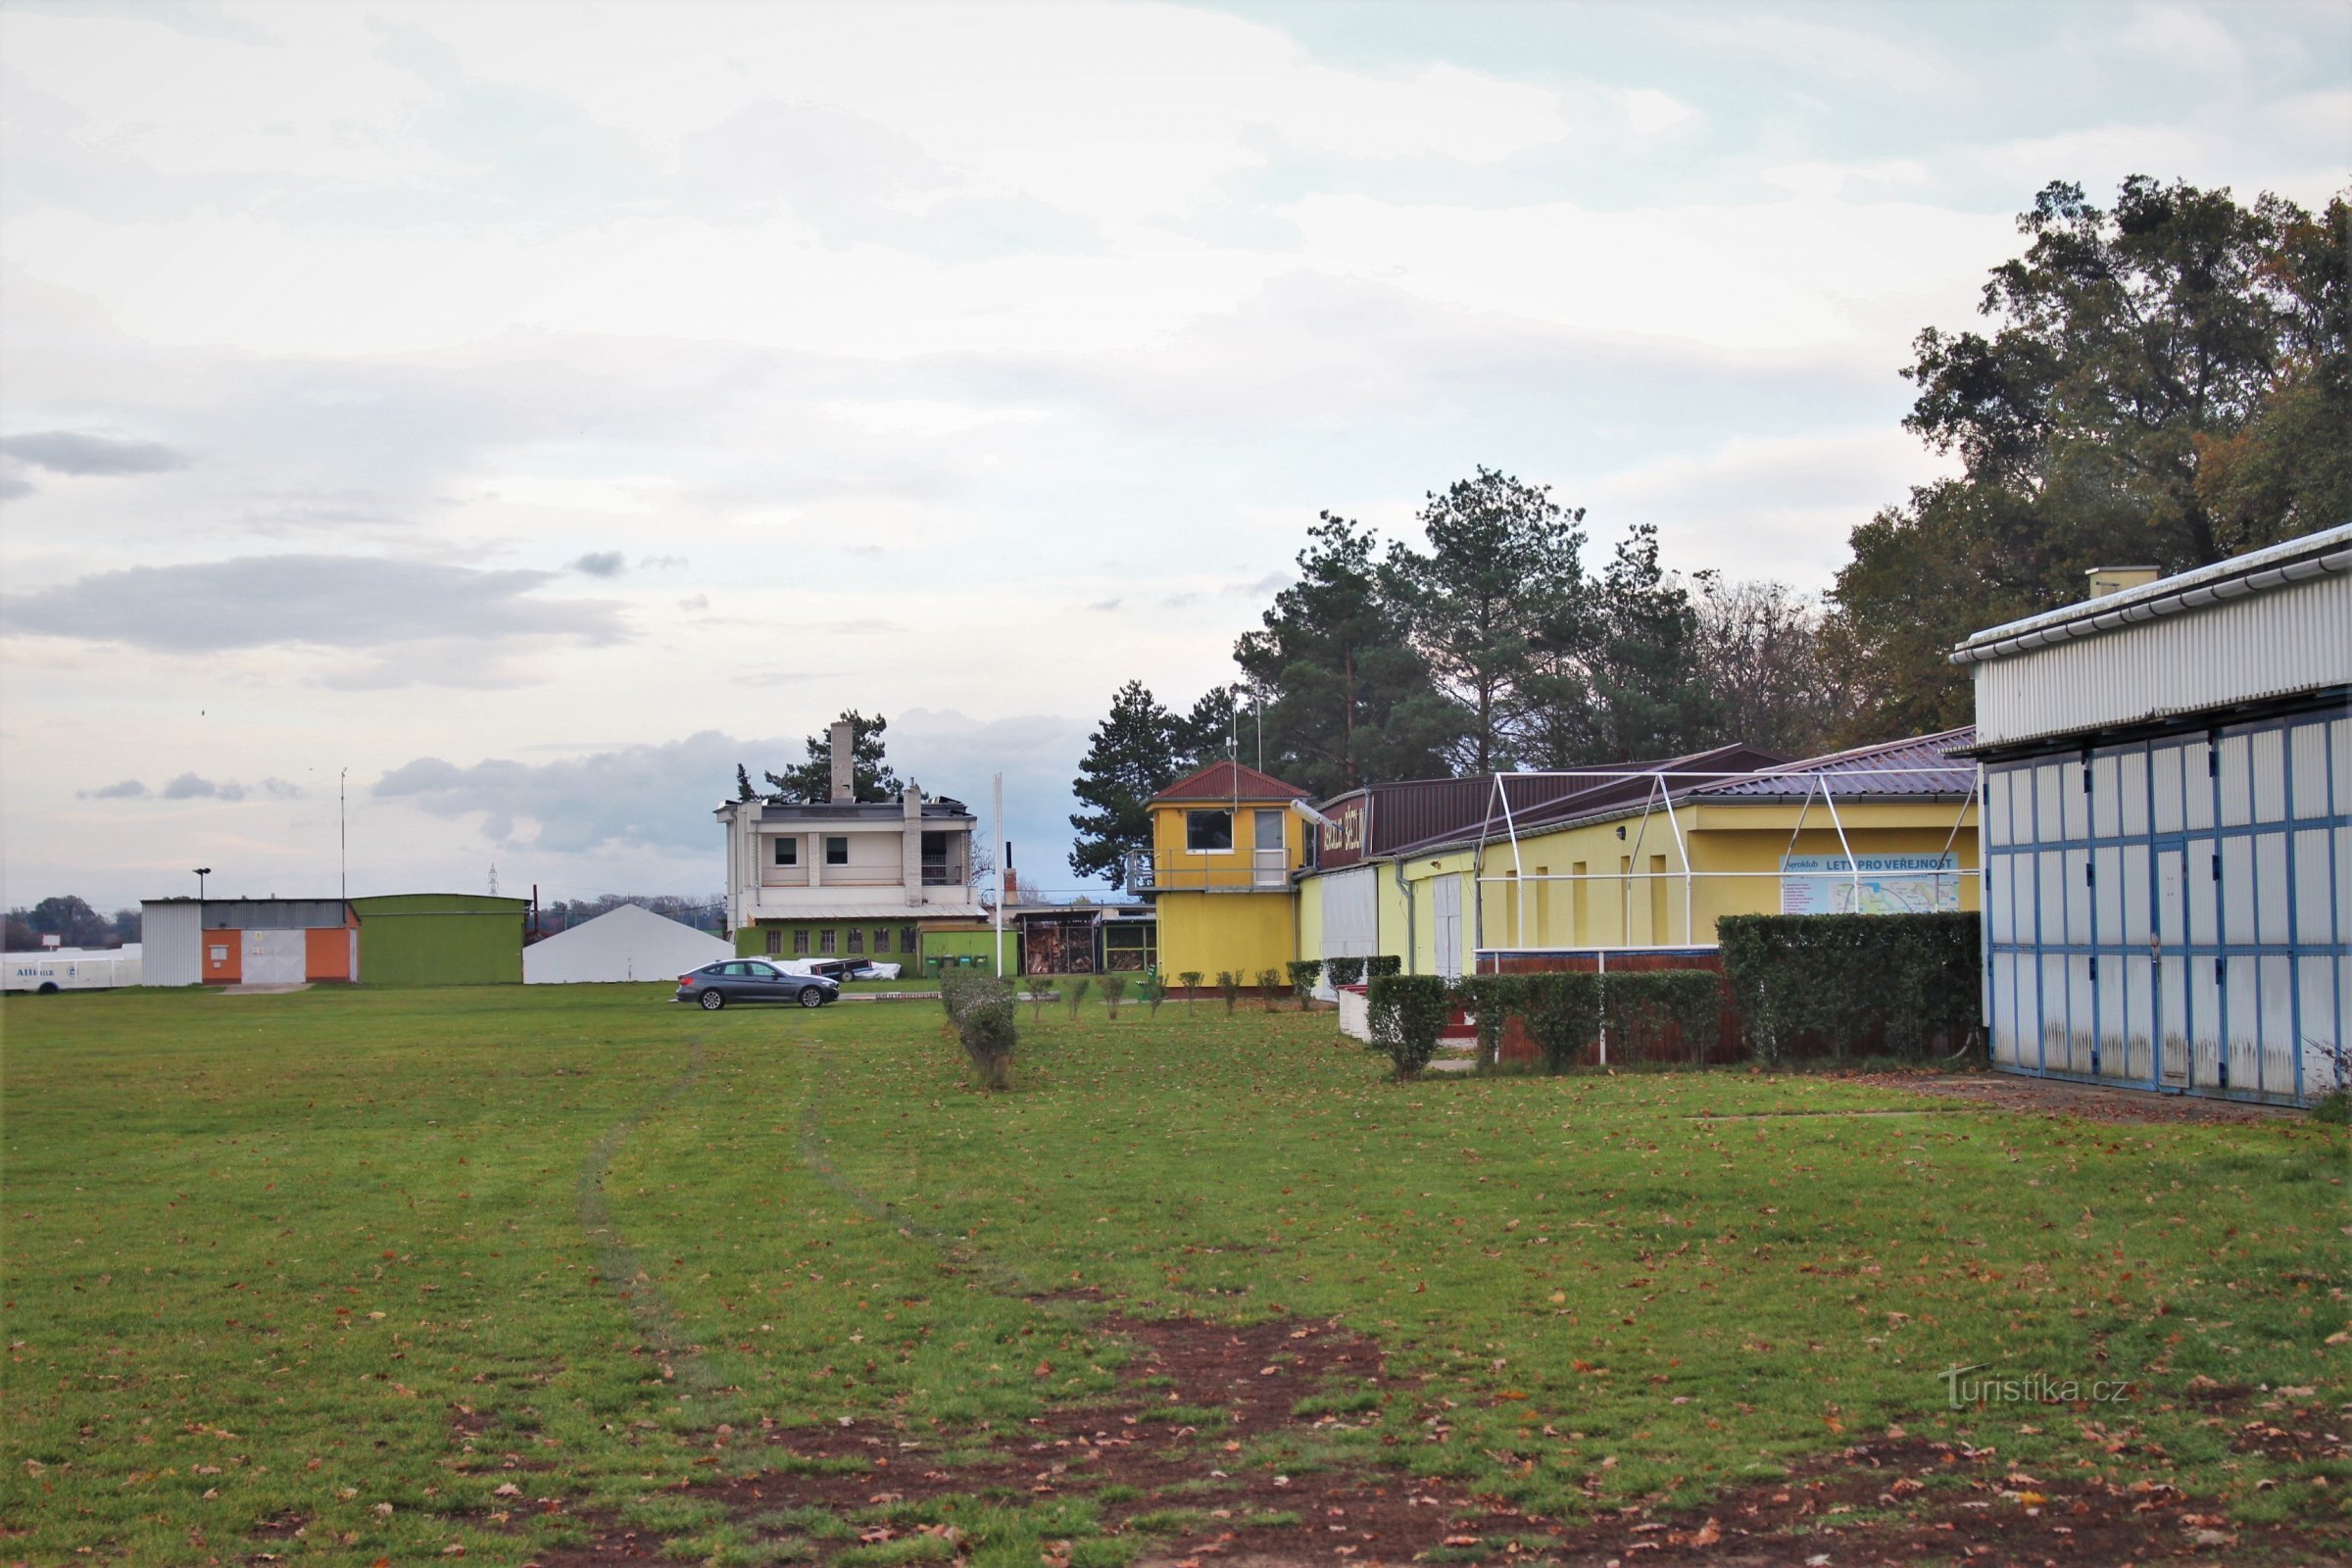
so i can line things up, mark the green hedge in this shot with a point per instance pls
(1387, 964)
(1408, 1010)
(1491, 999)
(1563, 1012)
(1642, 1004)
(1841, 979)
(1344, 971)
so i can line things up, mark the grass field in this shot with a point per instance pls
(563, 1274)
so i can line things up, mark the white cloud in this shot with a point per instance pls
(1652, 113)
(1764, 508)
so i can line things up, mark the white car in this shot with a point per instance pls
(838, 968)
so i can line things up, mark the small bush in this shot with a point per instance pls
(1304, 972)
(985, 1022)
(1408, 1010)
(1114, 992)
(1386, 965)
(1563, 1013)
(1344, 971)
(1075, 992)
(2333, 1110)
(1229, 984)
(1154, 991)
(1041, 986)
(1269, 986)
(1190, 979)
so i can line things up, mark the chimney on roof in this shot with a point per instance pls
(2105, 580)
(844, 749)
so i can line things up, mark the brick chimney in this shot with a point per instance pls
(844, 746)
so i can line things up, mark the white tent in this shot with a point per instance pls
(627, 943)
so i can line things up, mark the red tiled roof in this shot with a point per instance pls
(1228, 781)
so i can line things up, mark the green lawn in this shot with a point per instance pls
(357, 1259)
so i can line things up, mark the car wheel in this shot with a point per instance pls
(712, 1001)
(813, 997)
(48, 988)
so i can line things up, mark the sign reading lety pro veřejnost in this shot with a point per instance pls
(1869, 884)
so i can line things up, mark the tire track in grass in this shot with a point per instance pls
(959, 1254)
(618, 1265)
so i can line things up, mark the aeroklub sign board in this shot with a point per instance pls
(1869, 884)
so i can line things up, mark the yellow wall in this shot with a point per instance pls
(1244, 932)
(1625, 912)
(1308, 943)
(1175, 866)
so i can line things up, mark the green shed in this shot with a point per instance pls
(440, 939)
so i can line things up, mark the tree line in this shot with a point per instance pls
(72, 922)
(2163, 381)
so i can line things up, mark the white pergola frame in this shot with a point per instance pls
(1661, 795)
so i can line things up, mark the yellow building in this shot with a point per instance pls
(1225, 844)
(1651, 854)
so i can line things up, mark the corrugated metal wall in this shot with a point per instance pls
(2297, 638)
(172, 935)
(2173, 915)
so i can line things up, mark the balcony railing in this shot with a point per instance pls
(1145, 875)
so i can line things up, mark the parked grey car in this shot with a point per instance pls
(715, 985)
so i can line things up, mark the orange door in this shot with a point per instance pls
(326, 953)
(223, 965)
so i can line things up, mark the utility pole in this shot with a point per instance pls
(997, 913)
(343, 834)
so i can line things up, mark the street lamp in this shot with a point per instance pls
(202, 872)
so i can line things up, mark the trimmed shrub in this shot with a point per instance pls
(1386, 965)
(1344, 971)
(1407, 1013)
(1075, 992)
(1229, 984)
(1190, 979)
(1563, 1013)
(1304, 972)
(1642, 1004)
(985, 1014)
(1843, 977)
(1154, 991)
(1114, 991)
(1491, 999)
(1269, 986)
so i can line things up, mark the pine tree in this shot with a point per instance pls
(1133, 753)
(1348, 701)
(1503, 558)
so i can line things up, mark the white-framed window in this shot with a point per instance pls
(787, 850)
(837, 848)
(1209, 830)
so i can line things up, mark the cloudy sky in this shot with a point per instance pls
(537, 409)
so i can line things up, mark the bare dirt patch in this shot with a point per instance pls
(2052, 1096)
(1181, 1489)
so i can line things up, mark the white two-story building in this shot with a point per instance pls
(850, 878)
